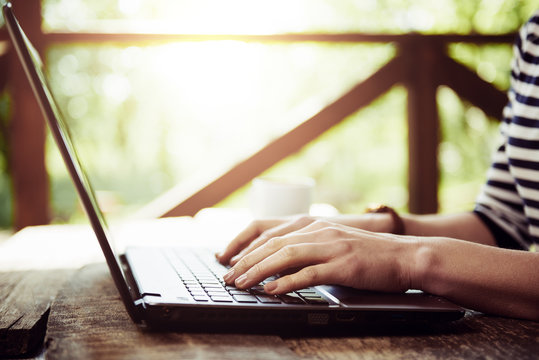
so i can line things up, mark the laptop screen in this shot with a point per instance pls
(63, 131)
(33, 66)
(60, 131)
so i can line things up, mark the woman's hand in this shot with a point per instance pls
(260, 231)
(313, 252)
(319, 252)
(257, 233)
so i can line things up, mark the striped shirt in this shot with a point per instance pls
(509, 201)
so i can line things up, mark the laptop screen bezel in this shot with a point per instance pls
(32, 64)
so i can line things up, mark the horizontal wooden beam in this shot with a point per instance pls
(132, 37)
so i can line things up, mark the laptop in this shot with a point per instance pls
(182, 288)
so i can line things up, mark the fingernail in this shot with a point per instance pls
(228, 275)
(270, 287)
(241, 281)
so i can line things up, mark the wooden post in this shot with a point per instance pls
(421, 56)
(27, 132)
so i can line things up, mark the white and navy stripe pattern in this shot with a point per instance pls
(509, 201)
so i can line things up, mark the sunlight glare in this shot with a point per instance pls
(116, 87)
(129, 7)
(77, 107)
(217, 72)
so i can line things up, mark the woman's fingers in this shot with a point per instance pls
(260, 231)
(326, 253)
(241, 241)
(244, 238)
(283, 246)
(313, 275)
(252, 269)
(267, 245)
(279, 230)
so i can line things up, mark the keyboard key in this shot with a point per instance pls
(217, 293)
(268, 299)
(212, 286)
(221, 298)
(258, 288)
(307, 292)
(204, 278)
(291, 298)
(189, 277)
(198, 293)
(208, 281)
(238, 292)
(257, 292)
(315, 300)
(201, 298)
(245, 298)
(195, 288)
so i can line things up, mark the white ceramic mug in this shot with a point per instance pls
(278, 197)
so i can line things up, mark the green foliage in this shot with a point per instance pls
(468, 139)
(148, 117)
(379, 16)
(168, 124)
(491, 62)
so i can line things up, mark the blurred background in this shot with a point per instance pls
(150, 114)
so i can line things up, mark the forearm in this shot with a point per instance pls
(483, 278)
(464, 226)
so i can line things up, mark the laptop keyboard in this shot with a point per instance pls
(202, 275)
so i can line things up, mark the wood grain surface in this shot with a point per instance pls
(88, 321)
(26, 299)
(475, 337)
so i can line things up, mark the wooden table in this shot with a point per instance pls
(76, 313)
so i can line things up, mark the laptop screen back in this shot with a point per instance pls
(33, 67)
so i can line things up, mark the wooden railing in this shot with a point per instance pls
(421, 65)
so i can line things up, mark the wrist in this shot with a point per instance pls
(422, 264)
